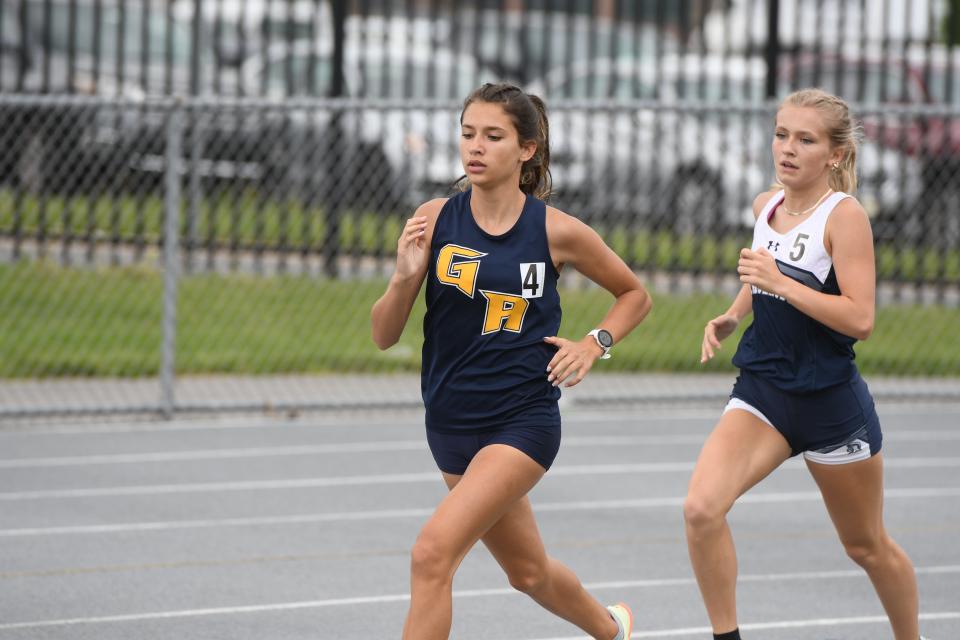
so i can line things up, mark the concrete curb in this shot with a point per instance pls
(268, 394)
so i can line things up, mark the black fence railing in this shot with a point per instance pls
(324, 185)
(657, 106)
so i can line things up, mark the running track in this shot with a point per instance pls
(273, 529)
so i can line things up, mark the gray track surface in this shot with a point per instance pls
(269, 529)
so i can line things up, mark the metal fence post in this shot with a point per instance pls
(196, 132)
(171, 258)
(772, 50)
(335, 204)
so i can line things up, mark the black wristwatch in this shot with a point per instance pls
(604, 339)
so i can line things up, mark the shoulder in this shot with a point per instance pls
(563, 227)
(571, 240)
(848, 216)
(431, 211)
(851, 209)
(848, 224)
(761, 201)
(431, 208)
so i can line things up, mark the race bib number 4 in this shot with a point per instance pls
(531, 279)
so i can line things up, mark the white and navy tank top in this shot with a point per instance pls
(787, 347)
(491, 299)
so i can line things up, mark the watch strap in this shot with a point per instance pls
(606, 350)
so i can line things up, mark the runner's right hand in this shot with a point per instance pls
(716, 330)
(412, 248)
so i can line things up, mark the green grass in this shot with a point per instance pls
(246, 219)
(78, 322)
(242, 219)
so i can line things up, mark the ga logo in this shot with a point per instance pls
(459, 266)
(505, 312)
(461, 274)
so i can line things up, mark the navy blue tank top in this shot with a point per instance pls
(788, 348)
(490, 302)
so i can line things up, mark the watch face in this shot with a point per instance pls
(604, 338)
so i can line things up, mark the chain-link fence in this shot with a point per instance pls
(186, 254)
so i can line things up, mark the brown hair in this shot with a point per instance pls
(843, 131)
(529, 116)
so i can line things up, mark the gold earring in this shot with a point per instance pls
(836, 166)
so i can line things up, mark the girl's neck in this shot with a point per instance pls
(496, 209)
(799, 199)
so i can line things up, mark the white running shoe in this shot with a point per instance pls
(624, 617)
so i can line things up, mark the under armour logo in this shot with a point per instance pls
(775, 246)
(854, 447)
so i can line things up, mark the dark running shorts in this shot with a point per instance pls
(832, 426)
(454, 451)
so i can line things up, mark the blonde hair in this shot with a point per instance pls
(843, 131)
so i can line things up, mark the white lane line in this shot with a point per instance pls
(429, 477)
(209, 487)
(389, 446)
(394, 514)
(413, 417)
(405, 417)
(782, 624)
(393, 446)
(471, 593)
(927, 435)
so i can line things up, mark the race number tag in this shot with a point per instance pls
(532, 279)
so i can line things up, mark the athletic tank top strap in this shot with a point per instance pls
(767, 212)
(826, 208)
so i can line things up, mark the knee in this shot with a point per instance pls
(429, 560)
(528, 579)
(701, 514)
(866, 553)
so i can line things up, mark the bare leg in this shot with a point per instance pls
(741, 451)
(496, 479)
(489, 500)
(853, 494)
(516, 544)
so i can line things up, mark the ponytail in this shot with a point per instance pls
(536, 170)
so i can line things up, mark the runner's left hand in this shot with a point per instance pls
(572, 361)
